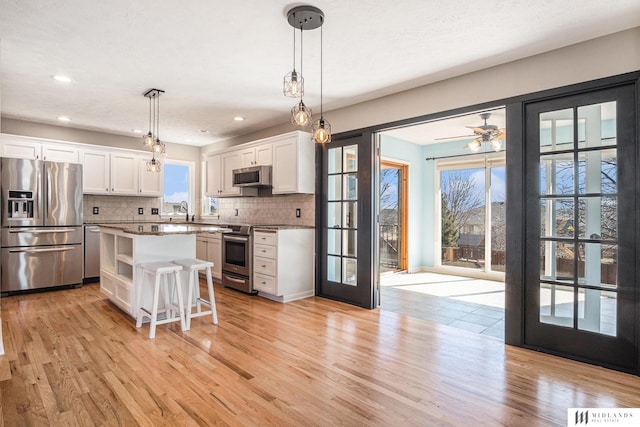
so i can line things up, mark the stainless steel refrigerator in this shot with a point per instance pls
(41, 225)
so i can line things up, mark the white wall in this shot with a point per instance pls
(602, 57)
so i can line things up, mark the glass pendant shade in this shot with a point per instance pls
(293, 85)
(147, 140)
(496, 144)
(321, 131)
(154, 165)
(300, 114)
(158, 147)
(474, 146)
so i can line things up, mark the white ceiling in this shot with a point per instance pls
(218, 59)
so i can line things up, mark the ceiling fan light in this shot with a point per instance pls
(474, 146)
(293, 85)
(496, 144)
(300, 114)
(321, 131)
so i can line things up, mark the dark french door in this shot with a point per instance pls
(580, 226)
(345, 204)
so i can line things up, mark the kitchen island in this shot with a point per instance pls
(123, 247)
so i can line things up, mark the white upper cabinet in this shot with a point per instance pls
(294, 164)
(23, 147)
(229, 162)
(213, 181)
(259, 155)
(124, 173)
(60, 153)
(95, 171)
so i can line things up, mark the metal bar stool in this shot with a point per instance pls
(161, 272)
(191, 267)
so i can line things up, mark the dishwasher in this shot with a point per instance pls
(91, 254)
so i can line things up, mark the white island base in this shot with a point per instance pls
(121, 278)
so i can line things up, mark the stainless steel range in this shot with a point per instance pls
(41, 224)
(237, 258)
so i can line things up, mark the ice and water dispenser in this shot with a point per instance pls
(20, 204)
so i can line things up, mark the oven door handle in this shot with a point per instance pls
(231, 279)
(236, 239)
(37, 251)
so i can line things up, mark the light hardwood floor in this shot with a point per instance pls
(72, 358)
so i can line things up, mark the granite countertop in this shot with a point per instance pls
(280, 227)
(163, 229)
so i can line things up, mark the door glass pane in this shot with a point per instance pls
(334, 271)
(350, 273)
(350, 219)
(498, 218)
(598, 125)
(556, 130)
(597, 311)
(350, 158)
(333, 242)
(557, 174)
(350, 186)
(598, 218)
(597, 172)
(335, 160)
(556, 218)
(350, 242)
(463, 216)
(556, 304)
(334, 187)
(597, 265)
(334, 215)
(557, 261)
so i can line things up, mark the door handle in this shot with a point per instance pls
(38, 251)
(40, 231)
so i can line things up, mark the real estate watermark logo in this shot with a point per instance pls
(619, 417)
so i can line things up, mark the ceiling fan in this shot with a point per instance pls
(486, 133)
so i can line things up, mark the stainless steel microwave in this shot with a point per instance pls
(252, 176)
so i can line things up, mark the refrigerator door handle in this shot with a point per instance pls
(38, 251)
(40, 230)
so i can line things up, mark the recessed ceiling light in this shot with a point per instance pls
(204, 131)
(136, 131)
(238, 118)
(61, 78)
(64, 119)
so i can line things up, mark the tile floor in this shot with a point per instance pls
(470, 304)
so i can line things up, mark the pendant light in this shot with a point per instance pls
(321, 128)
(293, 84)
(305, 18)
(156, 146)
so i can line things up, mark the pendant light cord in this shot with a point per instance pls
(294, 49)
(301, 57)
(321, 51)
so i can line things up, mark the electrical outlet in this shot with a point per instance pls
(154, 211)
(140, 211)
(236, 212)
(297, 212)
(96, 210)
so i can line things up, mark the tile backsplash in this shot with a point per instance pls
(119, 208)
(275, 210)
(266, 209)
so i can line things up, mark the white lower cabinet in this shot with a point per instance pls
(283, 263)
(209, 248)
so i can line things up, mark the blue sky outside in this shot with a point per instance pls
(176, 183)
